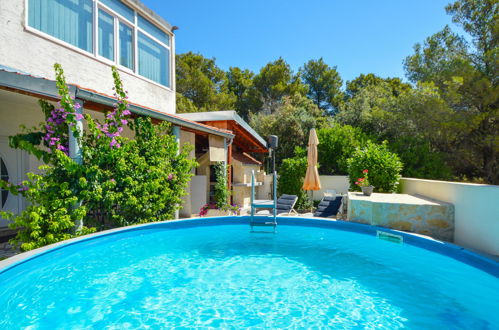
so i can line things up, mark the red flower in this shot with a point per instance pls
(361, 179)
(365, 171)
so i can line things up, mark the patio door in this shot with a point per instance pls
(10, 161)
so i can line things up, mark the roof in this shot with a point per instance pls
(19, 81)
(227, 115)
(245, 158)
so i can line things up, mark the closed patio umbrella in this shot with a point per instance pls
(312, 181)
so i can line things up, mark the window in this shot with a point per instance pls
(153, 30)
(120, 8)
(153, 60)
(123, 36)
(68, 20)
(126, 46)
(106, 35)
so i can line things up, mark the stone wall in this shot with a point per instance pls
(417, 214)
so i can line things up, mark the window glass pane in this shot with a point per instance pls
(126, 46)
(153, 30)
(106, 35)
(68, 20)
(120, 8)
(153, 60)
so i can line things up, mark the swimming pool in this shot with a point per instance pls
(215, 273)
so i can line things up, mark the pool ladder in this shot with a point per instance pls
(267, 204)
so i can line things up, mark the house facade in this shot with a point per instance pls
(242, 164)
(86, 37)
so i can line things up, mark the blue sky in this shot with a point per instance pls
(357, 36)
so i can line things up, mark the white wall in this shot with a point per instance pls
(187, 200)
(332, 182)
(36, 55)
(476, 210)
(198, 192)
(337, 182)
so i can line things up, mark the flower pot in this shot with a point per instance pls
(218, 213)
(367, 190)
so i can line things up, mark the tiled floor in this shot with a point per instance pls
(6, 250)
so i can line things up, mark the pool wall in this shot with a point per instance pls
(448, 249)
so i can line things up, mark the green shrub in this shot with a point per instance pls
(142, 181)
(384, 167)
(291, 175)
(119, 182)
(420, 160)
(337, 143)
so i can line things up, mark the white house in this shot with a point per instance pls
(86, 37)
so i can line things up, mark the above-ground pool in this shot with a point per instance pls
(215, 273)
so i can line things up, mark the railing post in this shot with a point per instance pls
(176, 133)
(75, 152)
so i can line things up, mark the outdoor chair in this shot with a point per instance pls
(285, 205)
(328, 206)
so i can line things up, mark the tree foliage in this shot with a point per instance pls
(324, 84)
(466, 78)
(241, 84)
(336, 144)
(447, 115)
(203, 83)
(393, 85)
(272, 84)
(291, 122)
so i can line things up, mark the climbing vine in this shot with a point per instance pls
(120, 181)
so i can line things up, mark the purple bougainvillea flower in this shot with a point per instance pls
(124, 121)
(62, 148)
(111, 135)
(78, 116)
(170, 177)
(77, 105)
(22, 188)
(112, 143)
(127, 112)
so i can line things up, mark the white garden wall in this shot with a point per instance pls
(476, 210)
(332, 182)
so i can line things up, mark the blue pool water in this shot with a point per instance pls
(225, 276)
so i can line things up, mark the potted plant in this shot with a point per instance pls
(221, 206)
(364, 185)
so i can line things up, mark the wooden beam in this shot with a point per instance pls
(229, 171)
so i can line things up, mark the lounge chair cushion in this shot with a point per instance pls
(285, 203)
(328, 207)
